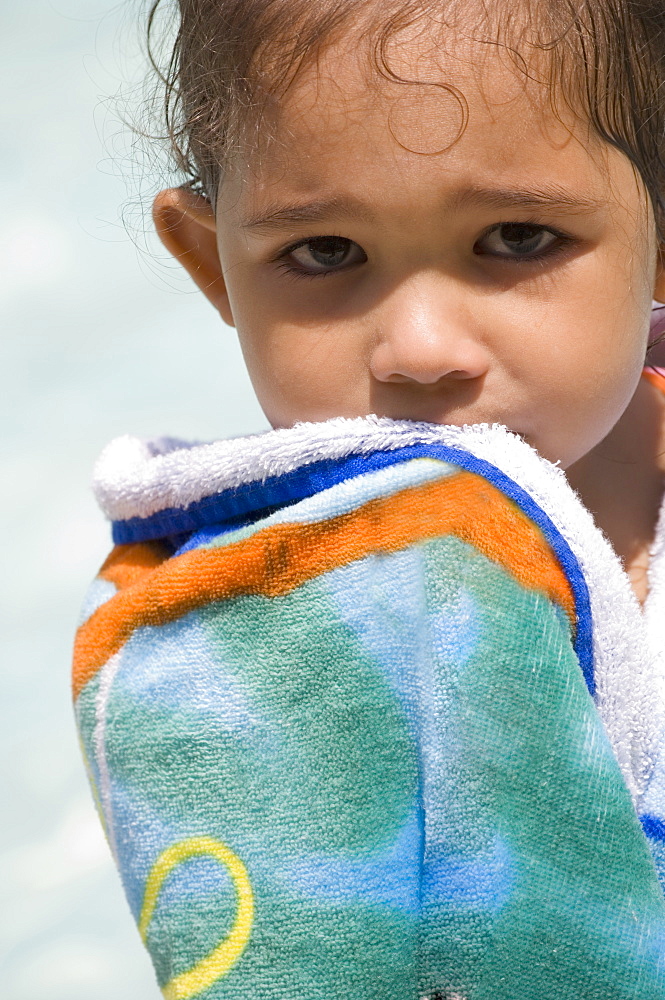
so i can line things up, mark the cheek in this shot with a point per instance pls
(587, 396)
(304, 374)
(579, 367)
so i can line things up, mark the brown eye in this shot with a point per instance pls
(517, 239)
(325, 253)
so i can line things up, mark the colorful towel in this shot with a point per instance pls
(368, 709)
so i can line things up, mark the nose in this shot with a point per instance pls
(425, 333)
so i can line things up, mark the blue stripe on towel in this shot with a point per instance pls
(653, 827)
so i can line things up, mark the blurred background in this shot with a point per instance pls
(99, 336)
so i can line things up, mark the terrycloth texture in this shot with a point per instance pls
(344, 739)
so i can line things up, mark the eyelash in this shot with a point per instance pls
(557, 250)
(565, 242)
(282, 263)
(298, 272)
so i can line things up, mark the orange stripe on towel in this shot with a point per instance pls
(281, 557)
(656, 376)
(129, 564)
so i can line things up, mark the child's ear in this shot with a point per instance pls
(186, 225)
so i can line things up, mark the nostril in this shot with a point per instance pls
(406, 357)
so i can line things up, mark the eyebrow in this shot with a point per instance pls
(550, 197)
(337, 207)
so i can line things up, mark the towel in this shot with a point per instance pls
(370, 712)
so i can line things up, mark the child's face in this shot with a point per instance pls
(366, 277)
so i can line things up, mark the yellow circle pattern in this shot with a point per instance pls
(226, 954)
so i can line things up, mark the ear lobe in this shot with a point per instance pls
(186, 225)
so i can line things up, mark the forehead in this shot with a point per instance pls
(444, 108)
(431, 98)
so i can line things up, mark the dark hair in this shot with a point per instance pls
(229, 58)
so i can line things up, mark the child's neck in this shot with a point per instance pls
(621, 482)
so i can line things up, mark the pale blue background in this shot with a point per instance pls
(96, 339)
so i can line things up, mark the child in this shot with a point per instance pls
(456, 221)
(439, 214)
